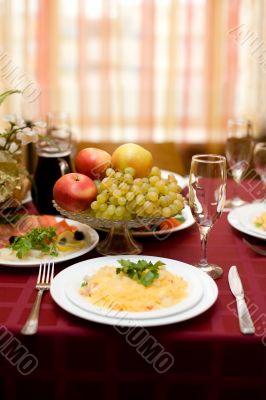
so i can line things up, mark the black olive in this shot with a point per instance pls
(12, 239)
(78, 235)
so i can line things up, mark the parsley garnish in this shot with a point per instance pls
(41, 238)
(142, 271)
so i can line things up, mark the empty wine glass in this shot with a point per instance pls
(238, 150)
(207, 182)
(259, 159)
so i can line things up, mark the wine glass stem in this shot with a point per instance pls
(203, 240)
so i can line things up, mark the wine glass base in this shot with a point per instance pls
(213, 270)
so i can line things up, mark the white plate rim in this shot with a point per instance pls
(234, 220)
(91, 266)
(31, 263)
(210, 294)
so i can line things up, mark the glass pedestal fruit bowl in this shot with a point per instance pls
(119, 239)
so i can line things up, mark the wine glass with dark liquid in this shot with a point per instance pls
(238, 150)
(207, 184)
(53, 151)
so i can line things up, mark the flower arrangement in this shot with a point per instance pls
(17, 134)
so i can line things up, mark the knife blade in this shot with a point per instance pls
(245, 321)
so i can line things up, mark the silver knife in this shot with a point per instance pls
(245, 321)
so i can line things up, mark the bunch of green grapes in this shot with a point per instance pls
(121, 196)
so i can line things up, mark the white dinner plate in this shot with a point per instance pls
(242, 219)
(91, 238)
(90, 267)
(61, 281)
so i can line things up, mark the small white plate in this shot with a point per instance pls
(91, 237)
(242, 219)
(90, 267)
(209, 287)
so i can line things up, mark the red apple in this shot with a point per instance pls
(92, 162)
(74, 192)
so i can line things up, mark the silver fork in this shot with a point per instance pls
(45, 276)
(257, 249)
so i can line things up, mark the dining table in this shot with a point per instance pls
(72, 358)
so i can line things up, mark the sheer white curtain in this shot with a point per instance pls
(136, 69)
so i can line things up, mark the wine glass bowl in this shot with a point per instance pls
(259, 160)
(207, 183)
(238, 150)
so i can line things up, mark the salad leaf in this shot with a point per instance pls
(41, 238)
(142, 271)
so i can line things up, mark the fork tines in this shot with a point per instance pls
(45, 276)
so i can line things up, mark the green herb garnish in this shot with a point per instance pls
(142, 271)
(84, 284)
(42, 239)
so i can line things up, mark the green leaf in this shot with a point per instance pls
(41, 238)
(4, 95)
(142, 271)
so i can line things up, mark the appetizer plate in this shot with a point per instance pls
(90, 267)
(91, 238)
(60, 293)
(242, 218)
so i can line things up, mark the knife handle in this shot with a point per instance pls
(245, 321)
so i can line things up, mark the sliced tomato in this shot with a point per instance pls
(63, 226)
(169, 223)
(47, 220)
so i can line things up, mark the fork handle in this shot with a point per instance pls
(31, 325)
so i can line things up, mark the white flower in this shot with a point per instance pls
(27, 136)
(20, 122)
(2, 141)
(13, 147)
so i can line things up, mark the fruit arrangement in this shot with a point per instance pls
(123, 186)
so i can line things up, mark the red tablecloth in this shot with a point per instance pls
(212, 359)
